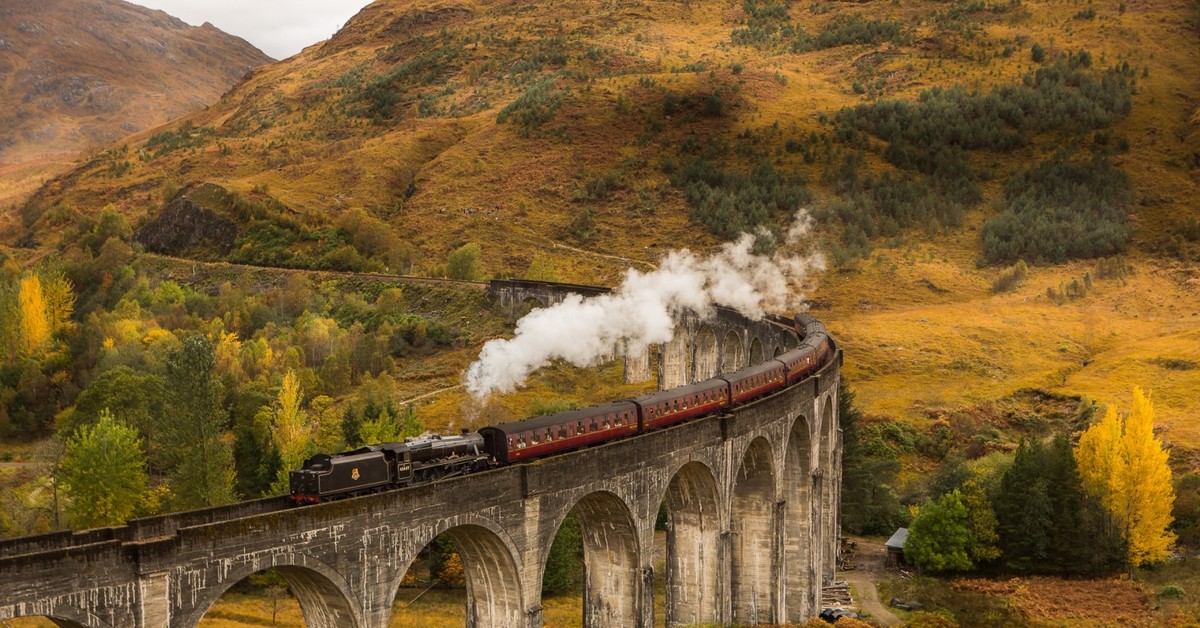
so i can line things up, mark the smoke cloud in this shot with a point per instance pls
(642, 310)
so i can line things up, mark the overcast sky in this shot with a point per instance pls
(280, 28)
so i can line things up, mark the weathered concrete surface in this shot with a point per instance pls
(751, 496)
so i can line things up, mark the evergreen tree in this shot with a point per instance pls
(869, 503)
(939, 537)
(1024, 511)
(564, 564)
(138, 398)
(1046, 522)
(199, 461)
(104, 473)
(256, 461)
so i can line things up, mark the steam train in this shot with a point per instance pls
(386, 466)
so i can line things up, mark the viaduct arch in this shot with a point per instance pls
(751, 498)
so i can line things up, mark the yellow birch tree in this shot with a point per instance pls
(35, 329)
(288, 429)
(1098, 457)
(1125, 467)
(1146, 490)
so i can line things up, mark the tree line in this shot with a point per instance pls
(212, 390)
(1100, 506)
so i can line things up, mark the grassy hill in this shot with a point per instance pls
(589, 136)
(78, 75)
(568, 130)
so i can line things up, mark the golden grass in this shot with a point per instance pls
(910, 349)
(414, 606)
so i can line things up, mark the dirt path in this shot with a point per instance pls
(869, 570)
(430, 394)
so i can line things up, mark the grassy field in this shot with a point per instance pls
(1150, 600)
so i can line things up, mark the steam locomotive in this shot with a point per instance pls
(386, 466)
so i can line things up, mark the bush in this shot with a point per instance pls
(1037, 53)
(533, 108)
(1061, 210)
(851, 29)
(1170, 590)
(381, 98)
(729, 203)
(464, 263)
(1010, 277)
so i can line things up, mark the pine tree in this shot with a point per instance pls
(1024, 511)
(200, 462)
(104, 473)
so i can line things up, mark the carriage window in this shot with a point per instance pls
(606, 424)
(579, 429)
(562, 431)
(510, 442)
(521, 442)
(685, 403)
(534, 438)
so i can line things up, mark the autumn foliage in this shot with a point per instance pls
(1125, 466)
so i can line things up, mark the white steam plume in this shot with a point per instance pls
(642, 310)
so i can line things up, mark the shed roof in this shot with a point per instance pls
(898, 539)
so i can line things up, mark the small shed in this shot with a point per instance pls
(895, 548)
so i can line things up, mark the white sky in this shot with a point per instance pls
(280, 28)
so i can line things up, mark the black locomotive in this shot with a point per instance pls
(375, 468)
(386, 466)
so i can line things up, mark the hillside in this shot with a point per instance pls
(584, 137)
(78, 74)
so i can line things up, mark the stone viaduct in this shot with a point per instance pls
(752, 498)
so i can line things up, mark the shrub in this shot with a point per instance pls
(1061, 210)
(728, 203)
(187, 136)
(1170, 590)
(464, 263)
(1037, 53)
(1010, 277)
(381, 98)
(850, 29)
(533, 108)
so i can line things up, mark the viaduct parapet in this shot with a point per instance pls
(752, 499)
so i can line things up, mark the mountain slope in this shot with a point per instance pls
(588, 137)
(75, 74)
